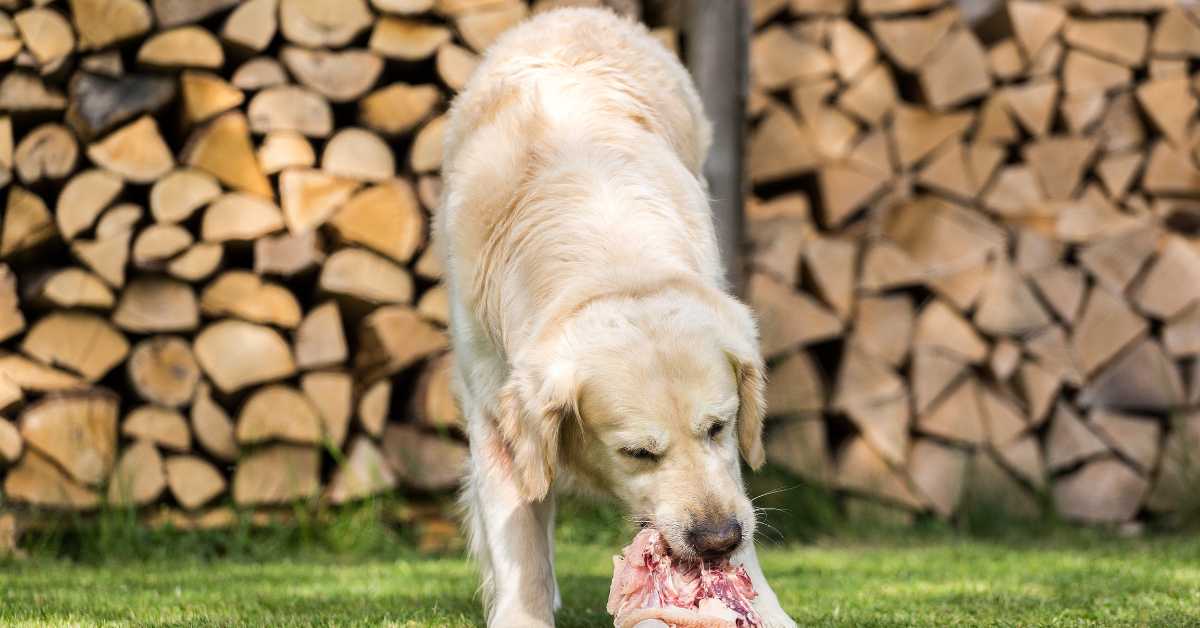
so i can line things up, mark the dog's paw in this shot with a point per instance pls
(775, 618)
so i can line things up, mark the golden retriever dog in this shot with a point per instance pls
(597, 347)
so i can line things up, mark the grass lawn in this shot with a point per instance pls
(898, 580)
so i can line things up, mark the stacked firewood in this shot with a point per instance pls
(975, 252)
(216, 280)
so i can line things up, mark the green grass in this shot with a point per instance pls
(348, 568)
(921, 581)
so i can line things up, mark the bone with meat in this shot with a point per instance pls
(651, 589)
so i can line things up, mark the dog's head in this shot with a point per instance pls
(649, 399)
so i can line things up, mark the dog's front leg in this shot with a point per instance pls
(767, 603)
(510, 537)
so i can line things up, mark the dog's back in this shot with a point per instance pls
(573, 167)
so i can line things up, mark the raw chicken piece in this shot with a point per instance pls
(652, 590)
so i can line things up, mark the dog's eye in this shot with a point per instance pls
(715, 430)
(640, 454)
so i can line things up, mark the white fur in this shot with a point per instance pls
(589, 314)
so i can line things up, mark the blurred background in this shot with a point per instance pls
(969, 230)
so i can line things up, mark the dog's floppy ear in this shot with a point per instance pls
(533, 405)
(741, 347)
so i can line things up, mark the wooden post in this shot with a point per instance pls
(716, 35)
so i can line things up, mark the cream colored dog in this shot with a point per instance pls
(596, 345)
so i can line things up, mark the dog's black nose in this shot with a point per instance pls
(715, 539)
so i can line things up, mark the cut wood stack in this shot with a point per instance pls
(976, 262)
(216, 281)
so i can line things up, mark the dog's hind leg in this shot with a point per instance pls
(509, 537)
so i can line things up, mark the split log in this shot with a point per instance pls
(163, 371)
(397, 108)
(197, 263)
(158, 425)
(1005, 358)
(46, 34)
(1006, 60)
(47, 152)
(917, 132)
(933, 373)
(364, 473)
(23, 92)
(11, 444)
(259, 73)
(910, 40)
(423, 461)
(1170, 285)
(1083, 72)
(277, 474)
(1142, 378)
(1035, 24)
(939, 326)
(101, 23)
(434, 305)
(175, 12)
(78, 431)
(120, 219)
(66, 288)
(83, 198)
(186, 47)
(1003, 421)
(1039, 387)
(281, 150)
(845, 190)
(1170, 172)
(12, 320)
(992, 488)
(1069, 440)
(392, 338)
(1122, 40)
(1008, 305)
(81, 342)
(153, 304)
(480, 28)
(1176, 35)
(366, 277)
(320, 340)
(455, 65)
(1106, 326)
(31, 376)
(1062, 287)
(177, 195)
(373, 407)
(883, 327)
(425, 155)
(212, 426)
(328, 23)
(136, 152)
(288, 254)
(245, 295)
(223, 149)
(938, 472)
(384, 218)
(106, 257)
(240, 217)
(236, 354)
(38, 482)
(205, 95)
(957, 416)
(956, 73)
(779, 149)
(332, 394)
(1181, 335)
(865, 382)
(252, 25)
(407, 40)
(1032, 104)
(309, 197)
(1136, 437)
(778, 59)
(98, 103)
(787, 319)
(290, 108)
(27, 222)
(1105, 491)
(339, 76)
(862, 470)
(358, 154)
(434, 405)
(158, 243)
(104, 64)
(193, 481)
(1059, 163)
(278, 412)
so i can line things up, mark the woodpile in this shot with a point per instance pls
(216, 281)
(975, 252)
